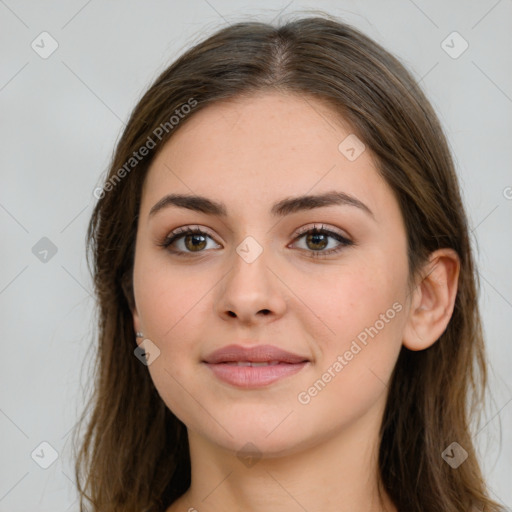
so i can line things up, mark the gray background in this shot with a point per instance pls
(60, 119)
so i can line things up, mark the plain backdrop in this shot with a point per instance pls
(60, 119)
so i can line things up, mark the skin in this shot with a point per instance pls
(250, 153)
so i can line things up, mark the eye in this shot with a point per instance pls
(187, 240)
(317, 240)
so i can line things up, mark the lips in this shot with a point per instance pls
(254, 367)
(259, 354)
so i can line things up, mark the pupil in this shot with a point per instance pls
(314, 237)
(197, 243)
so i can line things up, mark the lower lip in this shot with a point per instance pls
(254, 376)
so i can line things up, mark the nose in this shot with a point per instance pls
(251, 292)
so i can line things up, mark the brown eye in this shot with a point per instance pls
(184, 241)
(317, 239)
(194, 242)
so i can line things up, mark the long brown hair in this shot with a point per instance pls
(134, 454)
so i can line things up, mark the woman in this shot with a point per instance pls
(288, 314)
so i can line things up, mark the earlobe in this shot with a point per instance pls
(127, 287)
(137, 322)
(433, 300)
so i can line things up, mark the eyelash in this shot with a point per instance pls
(182, 232)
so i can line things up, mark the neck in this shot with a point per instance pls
(338, 474)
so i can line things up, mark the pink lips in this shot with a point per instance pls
(253, 367)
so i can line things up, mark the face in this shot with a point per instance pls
(257, 273)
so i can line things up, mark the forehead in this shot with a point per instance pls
(259, 148)
(270, 127)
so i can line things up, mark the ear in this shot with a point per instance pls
(433, 300)
(127, 287)
(137, 327)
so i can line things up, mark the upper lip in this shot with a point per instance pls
(256, 354)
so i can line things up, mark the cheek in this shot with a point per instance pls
(352, 299)
(168, 298)
(172, 304)
(355, 367)
(364, 317)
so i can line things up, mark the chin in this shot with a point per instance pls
(268, 437)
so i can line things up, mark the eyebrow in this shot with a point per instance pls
(280, 209)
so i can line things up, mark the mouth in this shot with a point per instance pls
(247, 374)
(239, 354)
(252, 363)
(254, 367)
